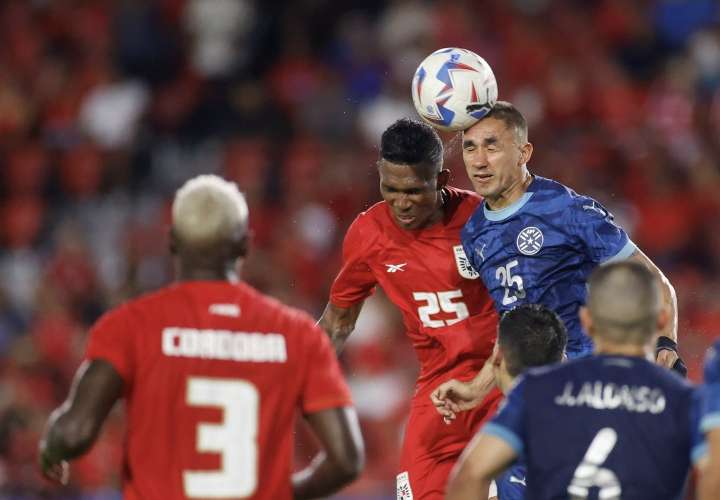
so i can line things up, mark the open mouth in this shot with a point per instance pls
(405, 218)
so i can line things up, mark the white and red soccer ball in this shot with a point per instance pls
(453, 88)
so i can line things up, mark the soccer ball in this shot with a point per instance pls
(453, 88)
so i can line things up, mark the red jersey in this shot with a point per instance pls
(213, 375)
(446, 309)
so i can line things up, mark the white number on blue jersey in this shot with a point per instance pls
(434, 302)
(590, 473)
(513, 285)
(235, 439)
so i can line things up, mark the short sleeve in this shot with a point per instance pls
(698, 444)
(355, 281)
(323, 386)
(710, 391)
(110, 339)
(603, 239)
(509, 423)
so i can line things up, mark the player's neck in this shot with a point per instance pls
(186, 272)
(615, 349)
(512, 193)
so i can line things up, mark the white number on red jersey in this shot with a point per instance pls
(434, 302)
(235, 439)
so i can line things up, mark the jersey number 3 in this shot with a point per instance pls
(434, 302)
(235, 439)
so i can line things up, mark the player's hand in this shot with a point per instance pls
(666, 358)
(58, 472)
(453, 396)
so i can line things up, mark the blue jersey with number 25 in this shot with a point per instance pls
(541, 250)
(609, 427)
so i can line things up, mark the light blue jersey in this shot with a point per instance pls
(541, 250)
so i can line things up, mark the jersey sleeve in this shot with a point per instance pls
(509, 423)
(355, 281)
(595, 226)
(710, 392)
(110, 339)
(698, 444)
(323, 386)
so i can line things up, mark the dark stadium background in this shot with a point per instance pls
(106, 107)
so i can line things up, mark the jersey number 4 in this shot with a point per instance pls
(235, 438)
(513, 285)
(591, 474)
(434, 302)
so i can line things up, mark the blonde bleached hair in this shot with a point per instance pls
(208, 209)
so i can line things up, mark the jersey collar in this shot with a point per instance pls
(504, 213)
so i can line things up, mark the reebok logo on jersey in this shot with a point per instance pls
(514, 479)
(231, 310)
(530, 240)
(393, 268)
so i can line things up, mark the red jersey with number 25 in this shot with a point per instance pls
(213, 375)
(446, 309)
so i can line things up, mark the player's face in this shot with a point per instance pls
(493, 158)
(415, 201)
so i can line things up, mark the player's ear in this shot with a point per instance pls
(173, 242)
(526, 151)
(586, 320)
(443, 178)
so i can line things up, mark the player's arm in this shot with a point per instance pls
(339, 323)
(454, 396)
(74, 425)
(709, 484)
(342, 457)
(485, 458)
(667, 354)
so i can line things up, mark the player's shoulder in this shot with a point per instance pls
(712, 364)
(550, 192)
(371, 222)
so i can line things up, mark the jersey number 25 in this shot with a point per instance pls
(434, 302)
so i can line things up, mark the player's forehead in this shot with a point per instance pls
(488, 129)
(400, 175)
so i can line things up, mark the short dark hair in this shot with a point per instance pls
(624, 302)
(512, 117)
(411, 142)
(531, 335)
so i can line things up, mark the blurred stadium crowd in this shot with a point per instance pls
(107, 106)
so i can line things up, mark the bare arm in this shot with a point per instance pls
(339, 323)
(709, 484)
(74, 425)
(454, 396)
(485, 457)
(665, 357)
(342, 459)
(668, 293)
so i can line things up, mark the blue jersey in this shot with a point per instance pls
(511, 484)
(710, 413)
(617, 424)
(541, 250)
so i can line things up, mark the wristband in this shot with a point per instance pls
(664, 342)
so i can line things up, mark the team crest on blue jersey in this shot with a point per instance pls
(530, 240)
(464, 267)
